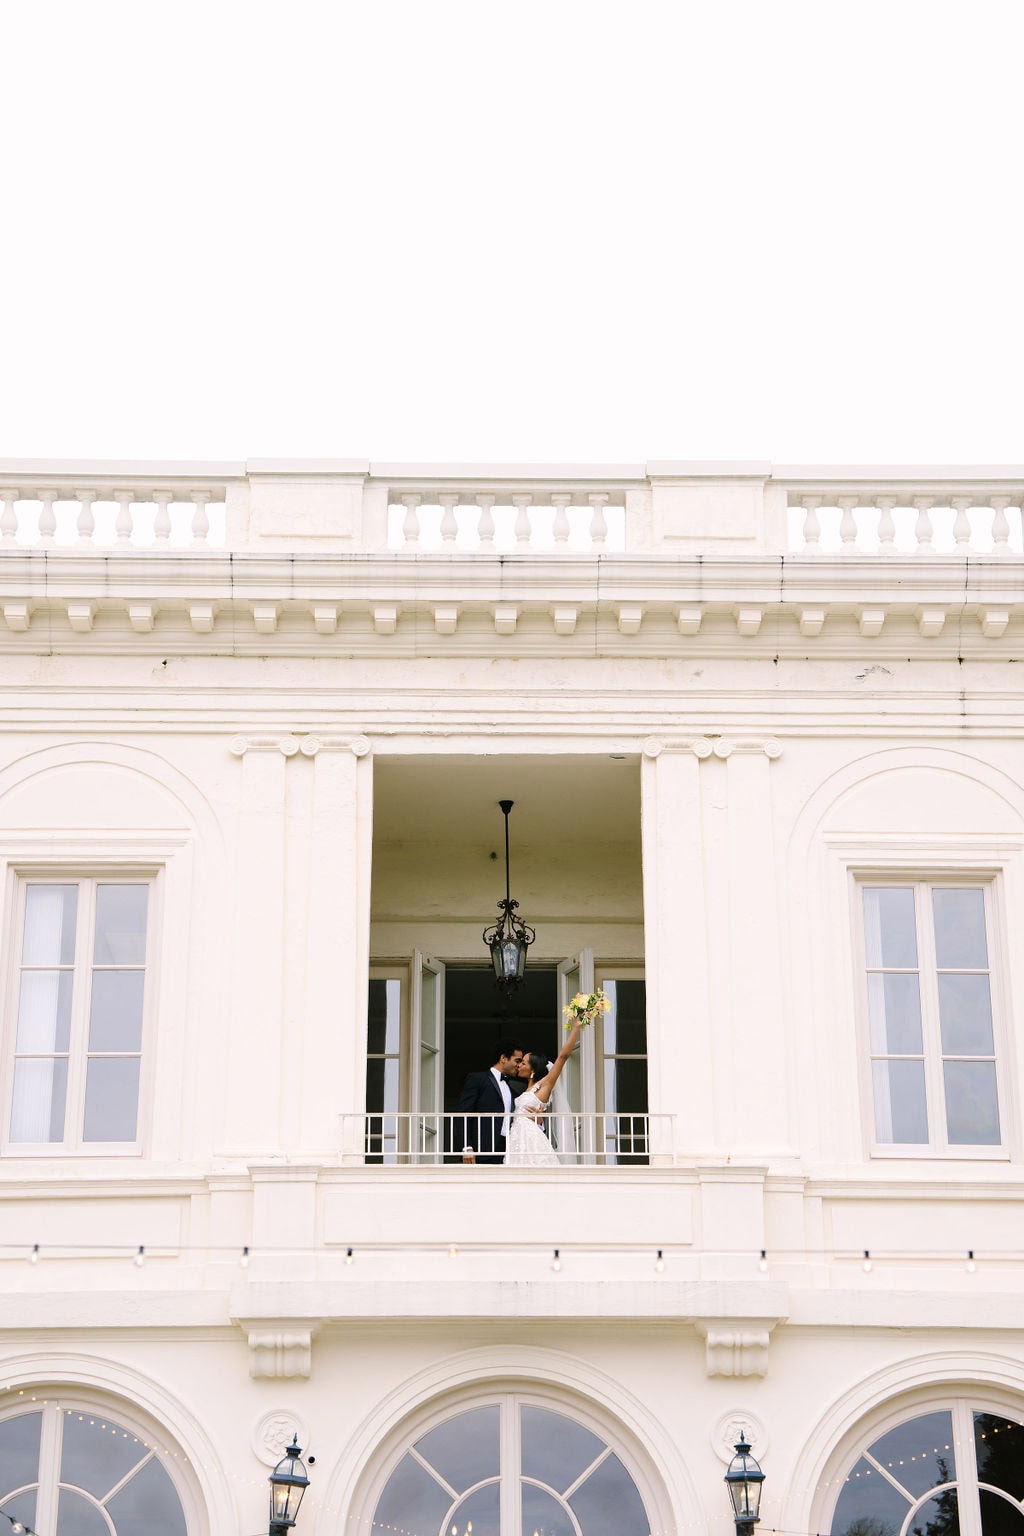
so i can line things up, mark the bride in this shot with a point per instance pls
(527, 1146)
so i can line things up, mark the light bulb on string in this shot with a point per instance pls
(33, 1257)
(556, 1262)
(244, 1260)
(140, 1257)
(971, 1265)
(659, 1263)
(453, 1251)
(349, 1256)
(867, 1265)
(762, 1262)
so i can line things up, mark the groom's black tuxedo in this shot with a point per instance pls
(481, 1096)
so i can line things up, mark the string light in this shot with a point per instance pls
(971, 1266)
(140, 1257)
(33, 1257)
(244, 1260)
(556, 1262)
(867, 1265)
(659, 1263)
(453, 1251)
(762, 1262)
(349, 1256)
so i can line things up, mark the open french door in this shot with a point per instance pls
(577, 1140)
(426, 1060)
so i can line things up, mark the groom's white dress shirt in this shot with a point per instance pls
(506, 1099)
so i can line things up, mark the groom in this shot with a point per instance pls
(488, 1098)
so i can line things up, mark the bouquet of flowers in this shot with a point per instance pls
(584, 1008)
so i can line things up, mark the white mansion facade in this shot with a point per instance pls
(762, 730)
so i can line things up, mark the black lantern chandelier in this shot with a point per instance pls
(288, 1482)
(509, 938)
(743, 1480)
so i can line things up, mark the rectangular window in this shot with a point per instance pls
(931, 1035)
(81, 986)
(623, 1067)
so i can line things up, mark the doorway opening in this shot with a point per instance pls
(477, 1014)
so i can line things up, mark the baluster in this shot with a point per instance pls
(961, 523)
(561, 501)
(47, 517)
(486, 520)
(411, 521)
(598, 523)
(162, 520)
(923, 526)
(1000, 524)
(9, 519)
(86, 518)
(848, 523)
(886, 525)
(812, 524)
(449, 500)
(522, 504)
(200, 520)
(123, 525)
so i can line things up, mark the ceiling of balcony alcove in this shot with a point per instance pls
(557, 800)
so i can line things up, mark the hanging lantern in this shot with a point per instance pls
(509, 938)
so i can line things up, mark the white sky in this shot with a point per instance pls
(547, 230)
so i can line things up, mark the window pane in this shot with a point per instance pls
(965, 1016)
(44, 1012)
(900, 1111)
(412, 1501)
(115, 1018)
(1000, 1447)
(93, 1458)
(894, 1013)
(50, 916)
(889, 931)
(40, 1089)
(464, 1450)
(78, 1516)
(625, 1087)
(625, 1026)
(111, 1098)
(939, 1517)
(19, 1451)
(972, 1110)
(919, 1453)
(999, 1517)
(960, 942)
(543, 1513)
(556, 1450)
(120, 924)
(385, 1016)
(869, 1505)
(608, 1503)
(481, 1511)
(148, 1505)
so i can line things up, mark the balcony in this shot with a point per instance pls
(580, 1140)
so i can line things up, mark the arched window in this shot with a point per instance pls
(955, 1470)
(511, 1467)
(73, 1471)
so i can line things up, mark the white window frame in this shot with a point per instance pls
(921, 877)
(20, 878)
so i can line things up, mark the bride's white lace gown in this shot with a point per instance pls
(527, 1145)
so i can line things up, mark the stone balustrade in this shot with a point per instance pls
(674, 510)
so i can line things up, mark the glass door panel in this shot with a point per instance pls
(427, 1058)
(576, 1137)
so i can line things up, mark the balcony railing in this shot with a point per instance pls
(599, 1138)
(534, 511)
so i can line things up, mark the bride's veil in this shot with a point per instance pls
(561, 1127)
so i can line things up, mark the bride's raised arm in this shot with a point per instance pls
(544, 1087)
